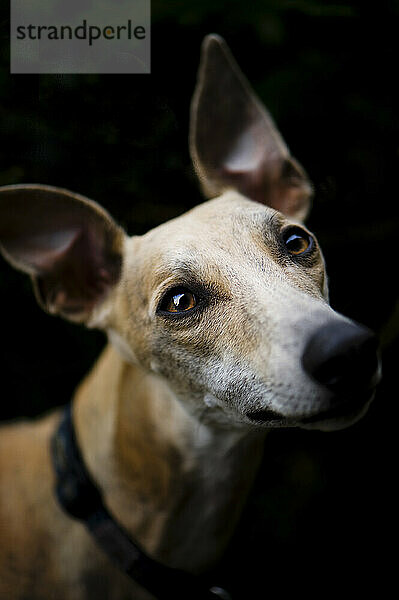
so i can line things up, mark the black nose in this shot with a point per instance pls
(343, 357)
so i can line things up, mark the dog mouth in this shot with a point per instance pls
(345, 411)
(269, 418)
(348, 409)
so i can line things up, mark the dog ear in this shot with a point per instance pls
(234, 142)
(69, 245)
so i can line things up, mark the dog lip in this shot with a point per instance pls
(348, 406)
(266, 415)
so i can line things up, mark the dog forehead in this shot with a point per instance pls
(209, 240)
(226, 222)
(222, 216)
(229, 203)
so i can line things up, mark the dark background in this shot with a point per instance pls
(322, 517)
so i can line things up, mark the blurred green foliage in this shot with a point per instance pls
(323, 508)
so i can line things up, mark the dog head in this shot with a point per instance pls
(227, 303)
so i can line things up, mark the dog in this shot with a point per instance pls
(219, 330)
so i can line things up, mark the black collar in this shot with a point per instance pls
(79, 496)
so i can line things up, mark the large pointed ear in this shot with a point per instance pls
(234, 142)
(69, 245)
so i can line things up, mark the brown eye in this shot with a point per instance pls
(297, 241)
(178, 300)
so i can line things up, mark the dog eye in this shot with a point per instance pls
(297, 241)
(178, 300)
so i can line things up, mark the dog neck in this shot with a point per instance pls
(168, 477)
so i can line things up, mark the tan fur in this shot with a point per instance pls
(146, 470)
(165, 420)
(169, 465)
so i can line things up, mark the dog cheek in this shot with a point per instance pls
(177, 362)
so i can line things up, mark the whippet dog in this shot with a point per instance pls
(219, 330)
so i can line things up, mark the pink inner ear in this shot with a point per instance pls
(44, 250)
(234, 142)
(245, 155)
(69, 245)
(78, 274)
(289, 195)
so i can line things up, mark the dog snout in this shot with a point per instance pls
(343, 357)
